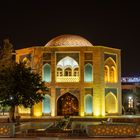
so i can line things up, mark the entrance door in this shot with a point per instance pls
(67, 104)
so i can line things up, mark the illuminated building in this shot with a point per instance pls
(83, 79)
(130, 86)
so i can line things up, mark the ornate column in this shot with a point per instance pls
(53, 92)
(53, 102)
(81, 63)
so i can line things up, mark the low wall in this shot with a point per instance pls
(7, 129)
(112, 130)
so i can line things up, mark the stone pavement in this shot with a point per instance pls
(56, 138)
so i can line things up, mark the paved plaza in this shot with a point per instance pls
(55, 138)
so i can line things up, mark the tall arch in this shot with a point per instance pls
(67, 70)
(111, 103)
(88, 73)
(47, 104)
(67, 104)
(47, 73)
(88, 104)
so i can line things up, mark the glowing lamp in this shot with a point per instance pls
(130, 97)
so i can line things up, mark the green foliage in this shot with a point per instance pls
(20, 86)
(6, 55)
(137, 94)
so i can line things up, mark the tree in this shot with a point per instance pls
(6, 55)
(137, 94)
(20, 86)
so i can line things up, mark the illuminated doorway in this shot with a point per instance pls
(67, 104)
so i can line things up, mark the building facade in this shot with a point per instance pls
(83, 79)
(130, 94)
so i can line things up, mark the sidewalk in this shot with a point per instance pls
(56, 138)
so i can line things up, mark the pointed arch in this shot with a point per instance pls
(47, 73)
(67, 104)
(110, 61)
(67, 62)
(113, 75)
(46, 104)
(88, 104)
(59, 72)
(106, 73)
(67, 70)
(76, 72)
(111, 104)
(112, 70)
(27, 62)
(88, 73)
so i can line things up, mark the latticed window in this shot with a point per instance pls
(68, 72)
(76, 72)
(59, 72)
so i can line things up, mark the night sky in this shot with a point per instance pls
(113, 24)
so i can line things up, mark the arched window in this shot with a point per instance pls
(88, 104)
(27, 62)
(88, 76)
(110, 103)
(113, 74)
(68, 72)
(76, 72)
(106, 73)
(110, 70)
(59, 72)
(47, 105)
(47, 73)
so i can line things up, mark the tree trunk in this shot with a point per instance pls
(12, 114)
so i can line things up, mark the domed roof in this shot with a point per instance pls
(68, 40)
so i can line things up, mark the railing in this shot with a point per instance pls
(67, 79)
(112, 130)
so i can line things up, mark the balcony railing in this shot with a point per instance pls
(67, 79)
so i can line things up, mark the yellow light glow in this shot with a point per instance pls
(52, 114)
(38, 114)
(23, 110)
(38, 109)
(103, 113)
(97, 113)
(82, 114)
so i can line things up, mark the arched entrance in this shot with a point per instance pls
(67, 104)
